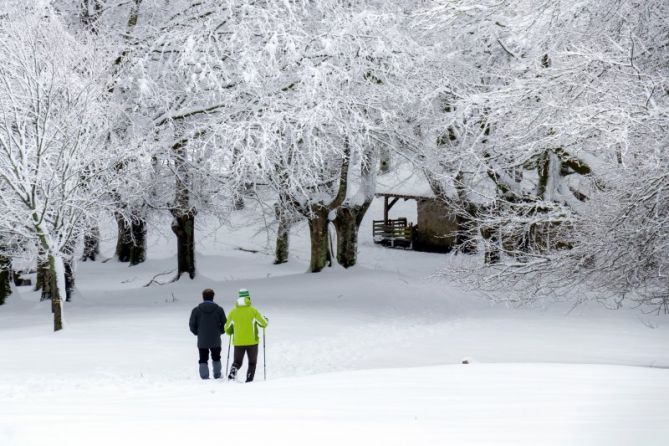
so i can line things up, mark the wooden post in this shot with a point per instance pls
(387, 206)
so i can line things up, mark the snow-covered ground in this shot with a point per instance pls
(372, 354)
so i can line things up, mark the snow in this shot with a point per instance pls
(474, 404)
(371, 354)
(404, 180)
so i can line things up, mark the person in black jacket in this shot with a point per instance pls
(207, 322)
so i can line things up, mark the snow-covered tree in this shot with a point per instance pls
(547, 109)
(319, 90)
(52, 176)
(282, 92)
(177, 73)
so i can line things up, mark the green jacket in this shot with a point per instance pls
(243, 323)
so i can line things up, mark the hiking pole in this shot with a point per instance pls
(264, 356)
(227, 362)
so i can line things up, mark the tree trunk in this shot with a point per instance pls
(91, 244)
(183, 212)
(282, 236)
(347, 236)
(68, 270)
(349, 216)
(131, 243)
(183, 227)
(492, 249)
(138, 249)
(56, 303)
(318, 231)
(47, 281)
(319, 219)
(5, 278)
(69, 279)
(347, 223)
(124, 240)
(42, 279)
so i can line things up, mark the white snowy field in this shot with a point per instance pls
(372, 354)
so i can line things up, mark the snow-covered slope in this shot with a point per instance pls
(476, 404)
(372, 354)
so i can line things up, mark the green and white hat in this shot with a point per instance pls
(244, 293)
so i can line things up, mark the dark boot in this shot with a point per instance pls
(204, 370)
(233, 373)
(217, 369)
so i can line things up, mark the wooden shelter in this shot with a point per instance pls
(435, 230)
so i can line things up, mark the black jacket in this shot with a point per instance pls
(207, 322)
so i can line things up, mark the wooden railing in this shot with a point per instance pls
(394, 233)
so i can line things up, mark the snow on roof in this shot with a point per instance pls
(404, 180)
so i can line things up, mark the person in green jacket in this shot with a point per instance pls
(242, 325)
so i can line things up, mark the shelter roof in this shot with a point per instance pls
(404, 181)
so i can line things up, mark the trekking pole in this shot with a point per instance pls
(264, 356)
(227, 362)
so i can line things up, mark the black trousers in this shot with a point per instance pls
(251, 351)
(204, 354)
